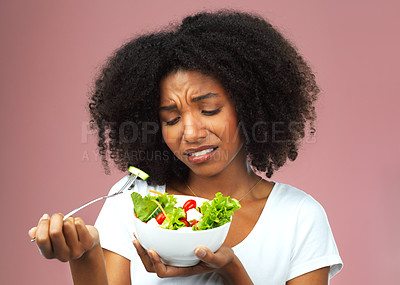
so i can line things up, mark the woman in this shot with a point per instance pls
(199, 106)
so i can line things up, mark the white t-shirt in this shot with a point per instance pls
(291, 237)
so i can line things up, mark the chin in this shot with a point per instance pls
(205, 170)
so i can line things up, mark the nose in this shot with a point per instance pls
(194, 130)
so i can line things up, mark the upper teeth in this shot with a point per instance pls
(201, 152)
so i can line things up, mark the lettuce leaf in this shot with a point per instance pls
(217, 212)
(174, 215)
(145, 209)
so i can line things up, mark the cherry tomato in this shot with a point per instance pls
(190, 204)
(160, 218)
(184, 221)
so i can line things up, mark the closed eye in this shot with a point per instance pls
(172, 122)
(210, 113)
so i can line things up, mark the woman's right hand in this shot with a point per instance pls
(64, 240)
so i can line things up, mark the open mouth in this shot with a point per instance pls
(201, 155)
(202, 152)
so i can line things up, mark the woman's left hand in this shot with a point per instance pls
(218, 261)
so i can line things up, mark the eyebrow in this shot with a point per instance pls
(195, 99)
(205, 96)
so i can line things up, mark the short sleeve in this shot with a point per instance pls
(314, 245)
(115, 223)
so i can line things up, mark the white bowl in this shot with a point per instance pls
(177, 247)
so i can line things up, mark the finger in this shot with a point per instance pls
(60, 247)
(219, 259)
(71, 238)
(148, 264)
(94, 233)
(163, 270)
(84, 235)
(159, 267)
(32, 232)
(70, 231)
(42, 237)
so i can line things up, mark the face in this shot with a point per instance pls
(199, 123)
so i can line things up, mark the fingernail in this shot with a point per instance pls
(150, 254)
(45, 217)
(200, 252)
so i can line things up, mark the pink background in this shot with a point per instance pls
(51, 50)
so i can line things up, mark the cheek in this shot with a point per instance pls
(232, 134)
(170, 138)
(231, 129)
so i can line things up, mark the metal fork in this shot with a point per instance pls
(136, 172)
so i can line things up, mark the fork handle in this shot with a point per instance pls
(136, 172)
(131, 179)
(83, 206)
(80, 208)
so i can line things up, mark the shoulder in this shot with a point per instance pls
(312, 245)
(292, 196)
(297, 203)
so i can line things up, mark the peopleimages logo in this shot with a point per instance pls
(144, 132)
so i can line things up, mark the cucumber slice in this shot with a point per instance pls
(143, 175)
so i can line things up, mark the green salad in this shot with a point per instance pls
(161, 210)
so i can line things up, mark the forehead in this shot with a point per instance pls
(188, 83)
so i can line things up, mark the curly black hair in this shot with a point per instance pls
(271, 85)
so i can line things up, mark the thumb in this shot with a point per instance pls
(219, 259)
(32, 232)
